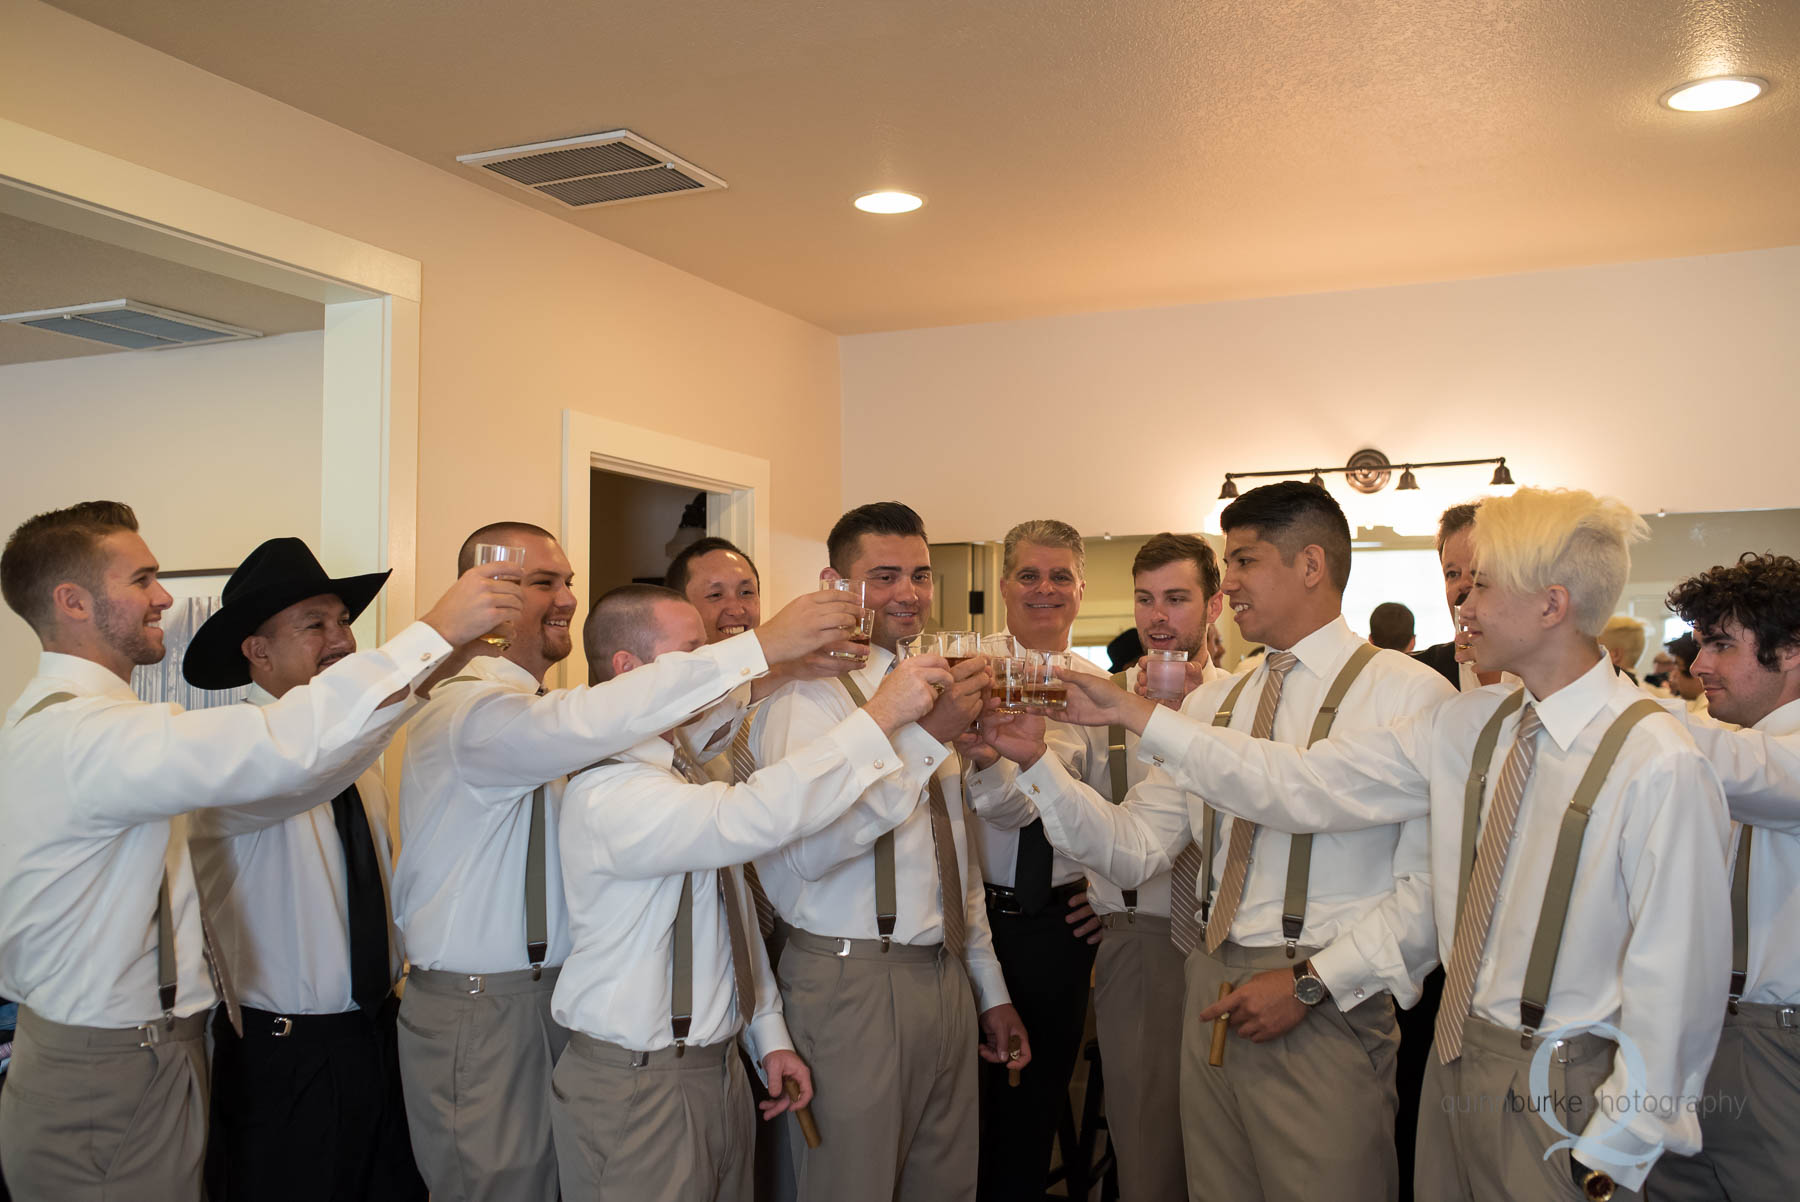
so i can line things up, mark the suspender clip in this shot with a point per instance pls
(1291, 926)
(884, 924)
(1788, 1016)
(640, 1059)
(537, 972)
(679, 1024)
(1735, 992)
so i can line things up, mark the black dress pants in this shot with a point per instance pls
(313, 1115)
(1048, 973)
(1417, 1027)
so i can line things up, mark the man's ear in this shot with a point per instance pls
(1312, 564)
(1557, 607)
(624, 661)
(1215, 607)
(72, 602)
(256, 650)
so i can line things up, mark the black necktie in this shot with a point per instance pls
(1031, 871)
(369, 980)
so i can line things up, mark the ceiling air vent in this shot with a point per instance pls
(594, 170)
(130, 325)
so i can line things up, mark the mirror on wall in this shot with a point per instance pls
(1385, 567)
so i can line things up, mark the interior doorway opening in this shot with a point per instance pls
(636, 526)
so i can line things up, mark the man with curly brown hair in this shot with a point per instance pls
(1747, 619)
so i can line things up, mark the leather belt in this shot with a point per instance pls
(1001, 900)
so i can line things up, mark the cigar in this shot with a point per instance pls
(1012, 1054)
(808, 1127)
(1221, 1026)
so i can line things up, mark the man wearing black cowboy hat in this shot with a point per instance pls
(103, 936)
(299, 902)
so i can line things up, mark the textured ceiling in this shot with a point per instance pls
(1075, 156)
(46, 268)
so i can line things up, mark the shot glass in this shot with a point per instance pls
(1044, 687)
(864, 630)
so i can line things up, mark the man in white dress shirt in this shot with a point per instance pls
(1044, 929)
(1747, 616)
(886, 937)
(1633, 928)
(666, 965)
(102, 933)
(306, 1103)
(478, 888)
(1316, 938)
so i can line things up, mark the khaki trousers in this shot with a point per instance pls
(476, 1054)
(890, 1038)
(1138, 989)
(1285, 1120)
(652, 1126)
(91, 1115)
(1750, 1142)
(1481, 1137)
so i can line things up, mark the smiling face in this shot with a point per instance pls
(129, 605)
(896, 573)
(1172, 610)
(1457, 558)
(1506, 630)
(722, 586)
(1738, 688)
(1269, 598)
(298, 643)
(541, 636)
(1042, 595)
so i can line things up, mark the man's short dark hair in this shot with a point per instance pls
(880, 517)
(495, 532)
(682, 565)
(1760, 593)
(620, 621)
(1161, 550)
(1391, 626)
(1455, 520)
(1685, 648)
(1293, 516)
(50, 548)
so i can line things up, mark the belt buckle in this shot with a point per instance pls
(477, 984)
(1562, 1051)
(152, 1032)
(843, 949)
(284, 1026)
(1788, 1016)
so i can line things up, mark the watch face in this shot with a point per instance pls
(1310, 990)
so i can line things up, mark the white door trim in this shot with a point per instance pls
(591, 442)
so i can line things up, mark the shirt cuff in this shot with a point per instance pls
(1349, 975)
(740, 657)
(766, 1034)
(866, 749)
(918, 748)
(1619, 1152)
(419, 648)
(1047, 778)
(1164, 738)
(989, 983)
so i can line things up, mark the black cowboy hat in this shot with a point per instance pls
(276, 575)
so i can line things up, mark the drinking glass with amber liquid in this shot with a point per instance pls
(501, 636)
(864, 630)
(1044, 687)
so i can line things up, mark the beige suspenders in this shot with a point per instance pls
(537, 902)
(886, 903)
(1115, 765)
(1554, 912)
(1740, 920)
(1293, 904)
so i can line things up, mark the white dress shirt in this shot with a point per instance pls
(274, 887)
(88, 792)
(1740, 756)
(1647, 943)
(635, 829)
(475, 754)
(1368, 892)
(825, 882)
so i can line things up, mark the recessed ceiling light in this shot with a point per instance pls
(888, 202)
(1719, 92)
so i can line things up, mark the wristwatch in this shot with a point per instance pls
(1594, 1185)
(1308, 988)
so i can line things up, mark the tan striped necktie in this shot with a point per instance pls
(743, 764)
(1189, 866)
(950, 889)
(1477, 914)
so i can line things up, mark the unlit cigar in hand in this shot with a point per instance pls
(1012, 1054)
(1221, 1026)
(808, 1128)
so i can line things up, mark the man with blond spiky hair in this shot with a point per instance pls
(1578, 869)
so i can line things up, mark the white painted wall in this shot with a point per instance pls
(217, 448)
(1599, 377)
